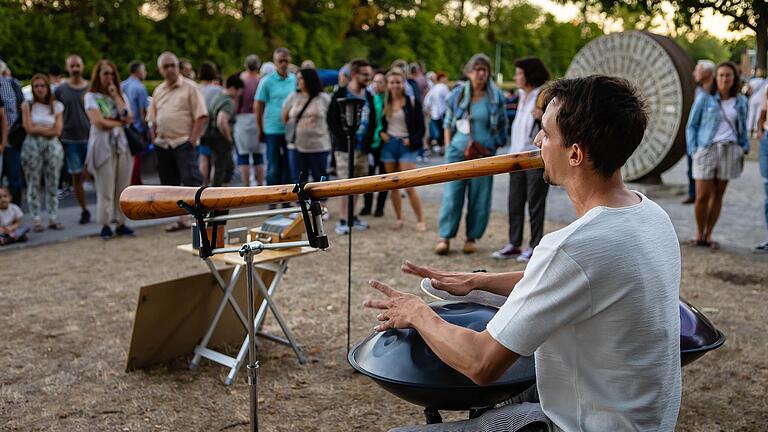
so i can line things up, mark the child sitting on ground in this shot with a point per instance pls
(11, 228)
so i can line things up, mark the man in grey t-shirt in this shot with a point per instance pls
(74, 134)
(597, 304)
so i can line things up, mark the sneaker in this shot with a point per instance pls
(443, 247)
(366, 211)
(106, 233)
(507, 252)
(123, 230)
(469, 247)
(85, 217)
(525, 255)
(360, 225)
(341, 227)
(762, 247)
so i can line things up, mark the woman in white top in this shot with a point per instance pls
(526, 186)
(108, 157)
(717, 140)
(42, 155)
(401, 135)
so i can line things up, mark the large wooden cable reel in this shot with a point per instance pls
(663, 74)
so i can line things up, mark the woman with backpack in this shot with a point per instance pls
(474, 126)
(401, 135)
(42, 155)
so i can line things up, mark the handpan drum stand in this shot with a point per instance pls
(316, 237)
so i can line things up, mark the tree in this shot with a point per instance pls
(746, 14)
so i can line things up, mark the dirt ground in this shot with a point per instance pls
(66, 313)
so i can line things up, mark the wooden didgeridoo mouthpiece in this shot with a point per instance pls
(150, 202)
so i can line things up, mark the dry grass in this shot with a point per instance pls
(66, 314)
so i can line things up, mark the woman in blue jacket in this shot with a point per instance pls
(717, 141)
(475, 113)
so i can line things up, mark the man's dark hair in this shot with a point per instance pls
(536, 74)
(135, 66)
(208, 71)
(605, 115)
(357, 64)
(311, 81)
(54, 70)
(234, 81)
(734, 90)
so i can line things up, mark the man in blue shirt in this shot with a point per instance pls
(138, 98)
(268, 103)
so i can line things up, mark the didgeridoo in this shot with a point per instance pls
(150, 202)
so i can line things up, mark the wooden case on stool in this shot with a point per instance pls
(279, 229)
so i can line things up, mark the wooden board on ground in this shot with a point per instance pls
(172, 317)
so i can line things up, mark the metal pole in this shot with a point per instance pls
(350, 223)
(498, 60)
(253, 365)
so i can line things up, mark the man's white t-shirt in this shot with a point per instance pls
(598, 306)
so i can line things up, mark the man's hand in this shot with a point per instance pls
(455, 283)
(399, 310)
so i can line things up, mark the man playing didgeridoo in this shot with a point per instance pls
(598, 302)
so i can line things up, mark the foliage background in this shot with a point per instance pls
(442, 34)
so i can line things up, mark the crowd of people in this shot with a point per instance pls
(276, 123)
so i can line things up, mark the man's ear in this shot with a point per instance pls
(577, 156)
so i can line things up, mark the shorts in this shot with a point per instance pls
(204, 150)
(342, 164)
(723, 160)
(395, 150)
(74, 155)
(245, 159)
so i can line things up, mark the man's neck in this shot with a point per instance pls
(589, 190)
(283, 74)
(354, 88)
(136, 77)
(170, 83)
(76, 81)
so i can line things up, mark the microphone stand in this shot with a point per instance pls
(350, 111)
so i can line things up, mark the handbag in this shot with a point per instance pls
(17, 134)
(290, 125)
(137, 143)
(474, 150)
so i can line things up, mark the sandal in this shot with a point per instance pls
(397, 225)
(442, 248)
(421, 227)
(713, 245)
(469, 247)
(698, 243)
(37, 226)
(57, 226)
(176, 226)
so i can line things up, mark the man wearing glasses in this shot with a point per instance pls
(177, 116)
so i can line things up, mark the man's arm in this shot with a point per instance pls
(258, 111)
(222, 124)
(3, 130)
(197, 128)
(462, 283)
(474, 354)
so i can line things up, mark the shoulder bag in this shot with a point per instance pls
(292, 123)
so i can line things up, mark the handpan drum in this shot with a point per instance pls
(401, 362)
